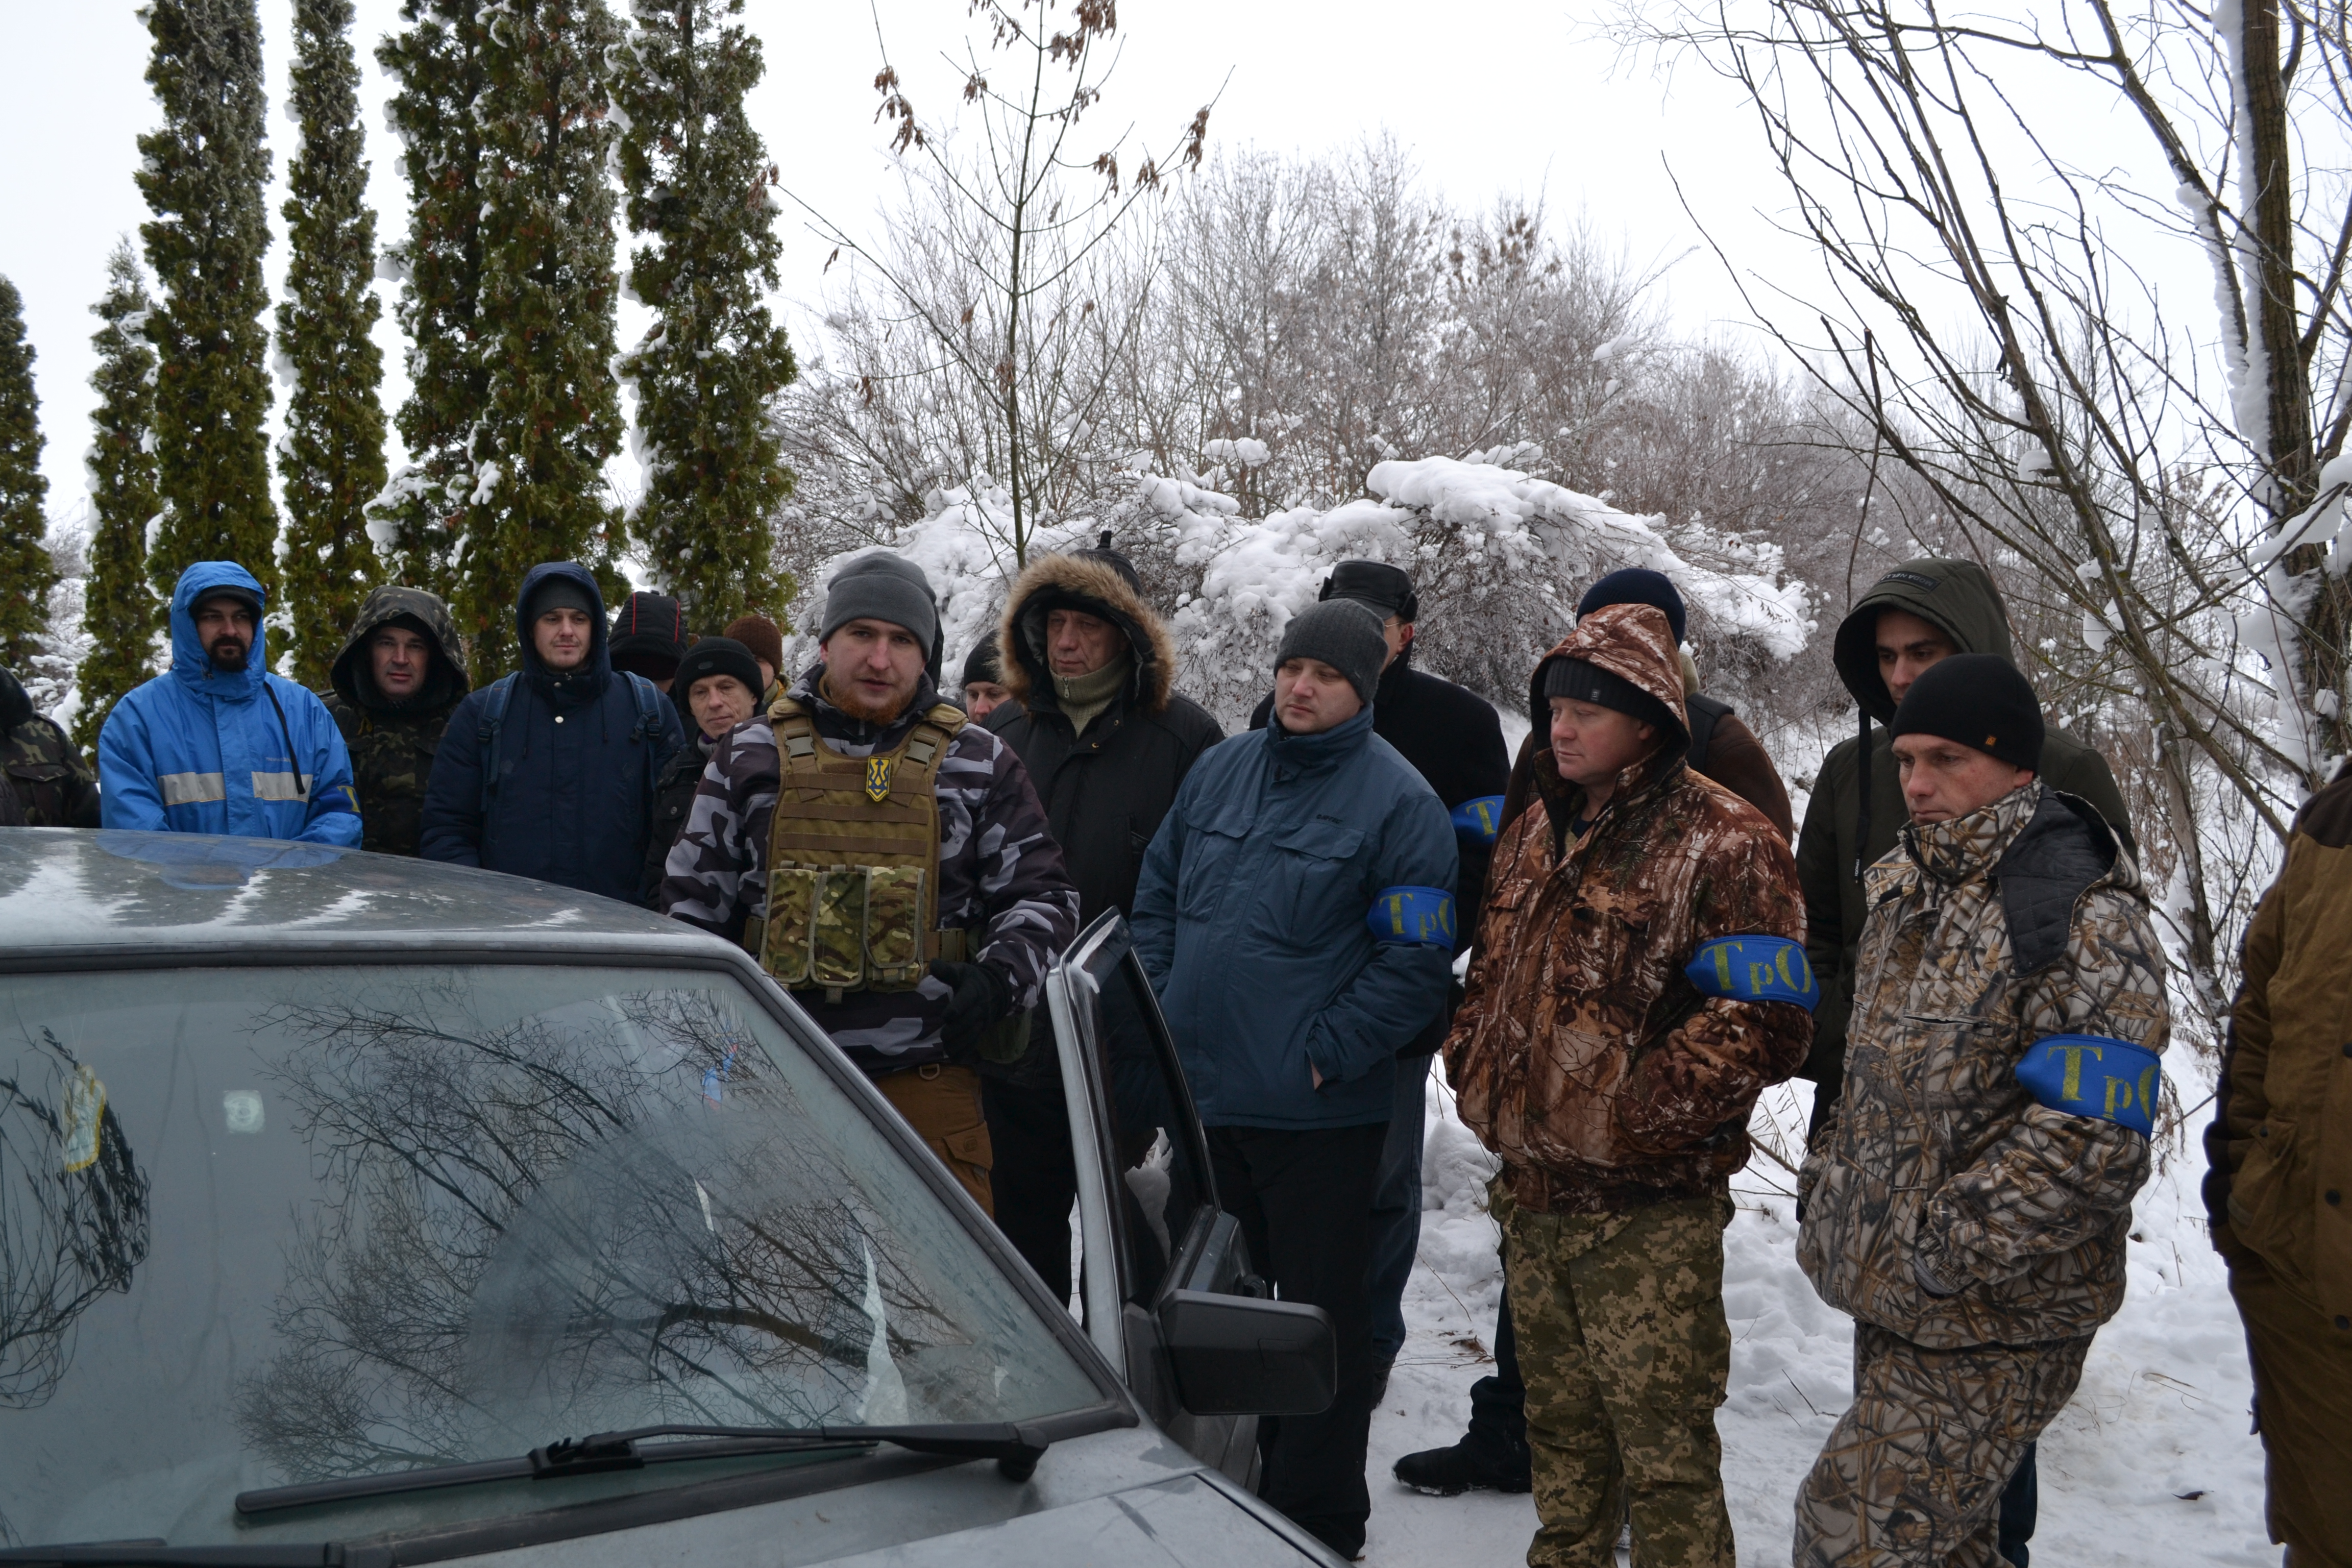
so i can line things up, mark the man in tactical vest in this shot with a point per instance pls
(1454, 742)
(907, 891)
(1493, 1452)
(390, 693)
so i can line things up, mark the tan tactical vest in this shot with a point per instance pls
(854, 860)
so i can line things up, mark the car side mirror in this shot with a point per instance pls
(1232, 1356)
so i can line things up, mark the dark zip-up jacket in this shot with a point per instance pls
(1960, 597)
(573, 796)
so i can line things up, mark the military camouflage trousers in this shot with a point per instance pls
(1913, 1473)
(1626, 1354)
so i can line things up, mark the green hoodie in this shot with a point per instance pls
(1838, 841)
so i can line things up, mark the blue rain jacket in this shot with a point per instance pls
(1251, 919)
(572, 797)
(200, 750)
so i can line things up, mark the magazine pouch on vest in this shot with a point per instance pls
(854, 857)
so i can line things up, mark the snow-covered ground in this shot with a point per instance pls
(2152, 1464)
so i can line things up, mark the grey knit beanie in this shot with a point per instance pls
(1344, 634)
(883, 586)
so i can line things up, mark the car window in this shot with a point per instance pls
(1155, 1142)
(273, 1225)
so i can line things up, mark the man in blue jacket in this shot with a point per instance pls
(551, 772)
(218, 745)
(1296, 916)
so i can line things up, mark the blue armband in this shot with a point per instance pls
(2095, 1075)
(1755, 969)
(1479, 820)
(1417, 916)
(339, 797)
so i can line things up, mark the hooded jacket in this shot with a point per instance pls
(393, 743)
(200, 750)
(571, 794)
(1251, 919)
(1001, 873)
(1839, 839)
(1106, 791)
(1584, 1055)
(44, 783)
(2280, 1145)
(1987, 933)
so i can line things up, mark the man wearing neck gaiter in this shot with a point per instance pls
(1094, 715)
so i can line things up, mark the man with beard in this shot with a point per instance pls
(886, 858)
(218, 744)
(399, 674)
(549, 771)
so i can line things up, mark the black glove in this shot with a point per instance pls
(982, 998)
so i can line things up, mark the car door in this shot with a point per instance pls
(1148, 1216)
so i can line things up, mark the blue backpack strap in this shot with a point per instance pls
(2095, 1075)
(493, 716)
(1414, 917)
(1753, 967)
(648, 732)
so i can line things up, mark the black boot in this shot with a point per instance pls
(1471, 1464)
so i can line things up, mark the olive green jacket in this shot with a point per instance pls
(1836, 844)
(392, 745)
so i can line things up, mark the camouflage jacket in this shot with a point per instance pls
(2020, 920)
(1583, 1054)
(43, 782)
(1001, 872)
(392, 759)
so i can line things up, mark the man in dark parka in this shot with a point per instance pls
(1095, 717)
(390, 693)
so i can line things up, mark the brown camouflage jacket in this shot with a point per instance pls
(43, 782)
(392, 745)
(1583, 1055)
(1000, 873)
(1985, 933)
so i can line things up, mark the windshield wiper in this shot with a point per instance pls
(1017, 1448)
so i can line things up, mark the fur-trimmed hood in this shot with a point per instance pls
(1082, 582)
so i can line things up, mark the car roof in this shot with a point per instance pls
(168, 895)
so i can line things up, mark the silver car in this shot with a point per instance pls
(354, 1210)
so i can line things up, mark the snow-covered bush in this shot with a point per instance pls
(1500, 560)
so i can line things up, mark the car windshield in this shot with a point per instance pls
(263, 1227)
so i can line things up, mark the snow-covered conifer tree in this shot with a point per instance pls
(697, 179)
(120, 612)
(436, 63)
(332, 458)
(552, 415)
(25, 565)
(203, 174)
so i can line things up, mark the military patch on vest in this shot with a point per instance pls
(877, 778)
(1755, 969)
(2095, 1075)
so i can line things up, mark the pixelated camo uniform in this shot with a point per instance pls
(1000, 873)
(2018, 922)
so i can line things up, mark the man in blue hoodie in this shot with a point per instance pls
(218, 745)
(551, 772)
(1296, 916)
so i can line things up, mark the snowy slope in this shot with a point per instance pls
(2162, 1411)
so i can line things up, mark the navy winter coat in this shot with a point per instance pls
(1251, 921)
(575, 771)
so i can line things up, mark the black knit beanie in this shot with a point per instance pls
(648, 636)
(1344, 634)
(1581, 682)
(713, 656)
(1979, 700)
(981, 664)
(1638, 585)
(1384, 587)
